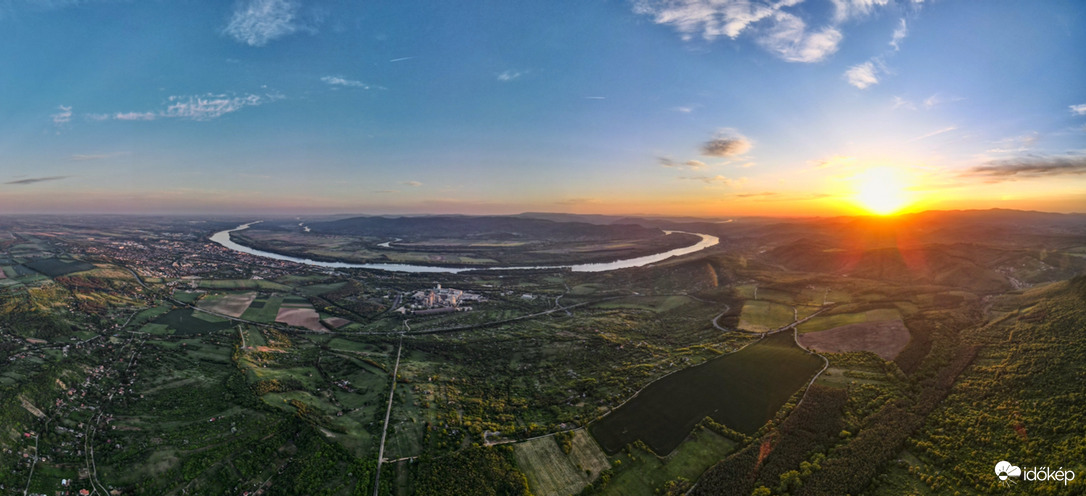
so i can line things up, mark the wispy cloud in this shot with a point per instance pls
(851, 9)
(683, 109)
(413, 184)
(595, 98)
(1016, 144)
(1079, 109)
(707, 18)
(256, 22)
(903, 103)
(342, 81)
(690, 164)
(195, 108)
(790, 40)
(869, 73)
(135, 116)
(401, 59)
(935, 133)
(1028, 167)
(32, 180)
(509, 75)
(62, 117)
(937, 100)
(87, 157)
(899, 34)
(784, 34)
(727, 143)
(862, 75)
(717, 179)
(203, 108)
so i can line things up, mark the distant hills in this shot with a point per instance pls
(985, 250)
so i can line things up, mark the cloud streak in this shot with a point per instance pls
(87, 157)
(342, 81)
(1029, 167)
(204, 108)
(691, 164)
(717, 179)
(510, 75)
(899, 34)
(33, 180)
(1079, 109)
(935, 133)
(194, 108)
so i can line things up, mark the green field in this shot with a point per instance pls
(263, 309)
(187, 296)
(656, 304)
(639, 472)
(185, 321)
(242, 284)
(740, 390)
(823, 322)
(552, 472)
(319, 289)
(55, 267)
(762, 316)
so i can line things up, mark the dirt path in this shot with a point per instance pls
(716, 319)
(388, 413)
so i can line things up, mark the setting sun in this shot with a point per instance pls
(881, 191)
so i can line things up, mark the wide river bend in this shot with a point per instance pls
(223, 238)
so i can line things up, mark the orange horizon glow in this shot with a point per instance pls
(882, 191)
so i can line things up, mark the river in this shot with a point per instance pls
(223, 238)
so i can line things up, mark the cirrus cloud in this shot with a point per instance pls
(64, 116)
(193, 107)
(257, 22)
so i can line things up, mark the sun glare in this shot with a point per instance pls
(881, 190)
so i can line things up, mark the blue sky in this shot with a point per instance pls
(693, 107)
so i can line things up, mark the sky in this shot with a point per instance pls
(676, 107)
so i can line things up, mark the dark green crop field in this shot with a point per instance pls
(741, 390)
(55, 267)
(185, 322)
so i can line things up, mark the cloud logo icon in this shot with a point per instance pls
(1004, 469)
